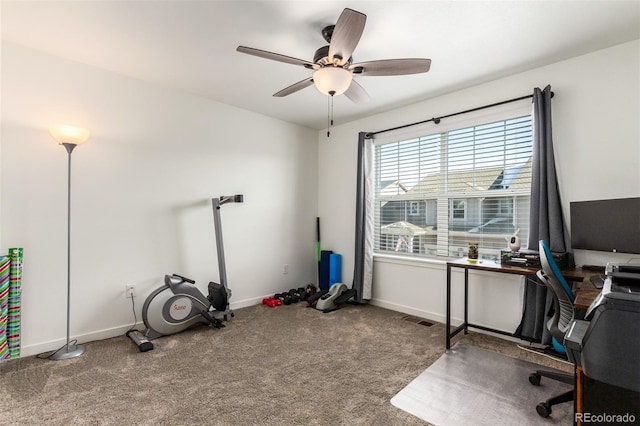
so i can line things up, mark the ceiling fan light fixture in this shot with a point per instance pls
(332, 80)
(334, 74)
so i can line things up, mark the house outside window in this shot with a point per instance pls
(437, 192)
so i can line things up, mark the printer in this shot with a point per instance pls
(607, 343)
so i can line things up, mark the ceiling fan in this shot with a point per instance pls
(333, 65)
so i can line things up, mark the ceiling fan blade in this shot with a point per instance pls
(275, 57)
(346, 35)
(294, 87)
(391, 67)
(356, 93)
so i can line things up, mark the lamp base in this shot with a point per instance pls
(67, 352)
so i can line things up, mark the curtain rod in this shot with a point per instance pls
(436, 120)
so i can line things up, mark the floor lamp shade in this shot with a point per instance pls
(63, 133)
(69, 137)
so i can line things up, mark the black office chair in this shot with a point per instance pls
(558, 325)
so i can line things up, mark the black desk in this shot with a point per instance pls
(570, 274)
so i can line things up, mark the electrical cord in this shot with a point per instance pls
(46, 355)
(135, 318)
(544, 354)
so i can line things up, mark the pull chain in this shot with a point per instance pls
(330, 112)
(329, 115)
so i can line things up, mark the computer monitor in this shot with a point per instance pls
(606, 225)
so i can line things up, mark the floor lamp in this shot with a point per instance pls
(69, 137)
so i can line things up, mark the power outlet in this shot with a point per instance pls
(129, 291)
(285, 269)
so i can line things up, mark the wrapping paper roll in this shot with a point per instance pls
(15, 290)
(5, 264)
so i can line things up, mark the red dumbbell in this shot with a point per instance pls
(271, 302)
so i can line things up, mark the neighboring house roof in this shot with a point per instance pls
(392, 187)
(517, 177)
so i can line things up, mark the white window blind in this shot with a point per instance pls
(438, 192)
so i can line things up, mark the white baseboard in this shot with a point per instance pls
(431, 316)
(248, 302)
(52, 345)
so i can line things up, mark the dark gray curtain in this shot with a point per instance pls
(363, 262)
(545, 216)
(545, 219)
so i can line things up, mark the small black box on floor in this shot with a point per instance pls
(530, 258)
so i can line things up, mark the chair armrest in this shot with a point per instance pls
(573, 340)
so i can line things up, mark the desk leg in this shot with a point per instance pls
(448, 321)
(577, 396)
(466, 300)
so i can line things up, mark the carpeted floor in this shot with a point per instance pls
(289, 365)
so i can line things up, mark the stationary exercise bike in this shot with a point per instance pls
(179, 304)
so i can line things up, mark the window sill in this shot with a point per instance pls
(410, 261)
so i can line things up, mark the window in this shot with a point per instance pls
(414, 208)
(457, 210)
(437, 192)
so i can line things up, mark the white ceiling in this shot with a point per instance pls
(190, 45)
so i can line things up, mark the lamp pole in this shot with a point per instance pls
(69, 350)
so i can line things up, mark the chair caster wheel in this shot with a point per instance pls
(534, 379)
(543, 409)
